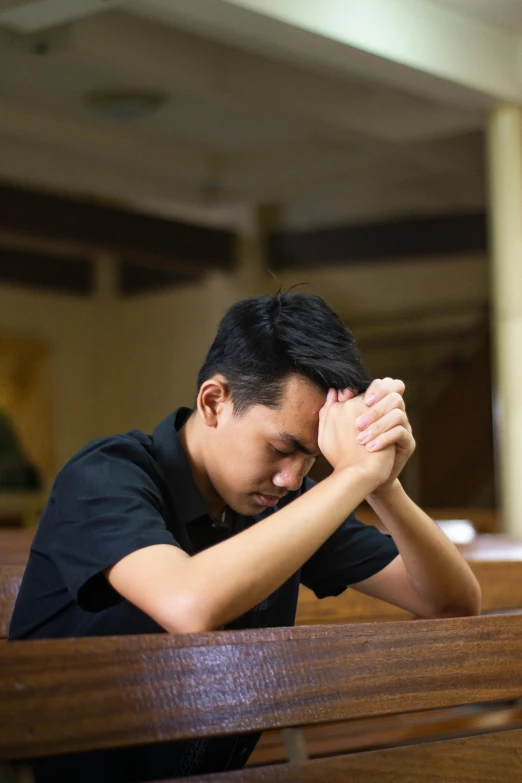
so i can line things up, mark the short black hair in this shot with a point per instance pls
(262, 340)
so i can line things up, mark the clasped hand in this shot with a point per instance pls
(376, 421)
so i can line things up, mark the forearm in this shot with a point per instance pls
(438, 572)
(238, 573)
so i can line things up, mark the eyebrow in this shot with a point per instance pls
(295, 443)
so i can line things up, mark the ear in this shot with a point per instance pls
(213, 399)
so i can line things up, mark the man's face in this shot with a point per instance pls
(259, 457)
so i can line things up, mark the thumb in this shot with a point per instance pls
(331, 397)
(345, 395)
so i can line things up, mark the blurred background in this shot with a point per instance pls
(160, 159)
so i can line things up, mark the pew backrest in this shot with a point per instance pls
(10, 581)
(119, 691)
(15, 544)
(500, 581)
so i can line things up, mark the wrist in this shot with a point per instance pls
(385, 493)
(357, 477)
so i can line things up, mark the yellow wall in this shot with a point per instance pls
(163, 339)
(64, 322)
(121, 364)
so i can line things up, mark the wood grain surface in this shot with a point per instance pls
(15, 544)
(68, 695)
(500, 581)
(10, 581)
(493, 758)
(390, 730)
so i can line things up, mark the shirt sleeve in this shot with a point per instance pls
(354, 552)
(106, 506)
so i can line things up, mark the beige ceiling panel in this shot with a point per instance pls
(29, 17)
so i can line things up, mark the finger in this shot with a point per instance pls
(331, 397)
(380, 387)
(345, 394)
(398, 436)
(392, 401)
(394, 418)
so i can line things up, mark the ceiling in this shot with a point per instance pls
(328, 135)
(504, 14)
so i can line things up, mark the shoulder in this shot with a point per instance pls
(134, 447)
(107, 461)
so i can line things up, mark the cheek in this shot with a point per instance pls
(249, 469)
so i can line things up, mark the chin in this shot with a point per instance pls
(240, 506)
(247, 507)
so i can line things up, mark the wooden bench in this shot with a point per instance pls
(500, 578)
(495, 560)
(15, 544)
(10, 580)
(483, 520)
(71, 695)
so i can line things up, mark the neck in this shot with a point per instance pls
(191, 438)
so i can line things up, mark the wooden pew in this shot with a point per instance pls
(15, 544)
(10, 580)
(483, 520)
(495, 560)
(121, 691)
(501, 583)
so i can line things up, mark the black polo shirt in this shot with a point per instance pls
(118, 495)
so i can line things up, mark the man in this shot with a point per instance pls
(211, 522)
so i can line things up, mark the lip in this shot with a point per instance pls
(267, 500)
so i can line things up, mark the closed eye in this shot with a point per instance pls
(282, 453)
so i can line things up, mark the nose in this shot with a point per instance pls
(290, 480)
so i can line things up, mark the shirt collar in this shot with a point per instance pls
(170, 455)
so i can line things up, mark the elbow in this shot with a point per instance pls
(472, 606)
(467, 604)
(184, 614)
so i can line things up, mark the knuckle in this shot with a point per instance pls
(394, 433)
(374, 414)
(395, 401)
(399, 416)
